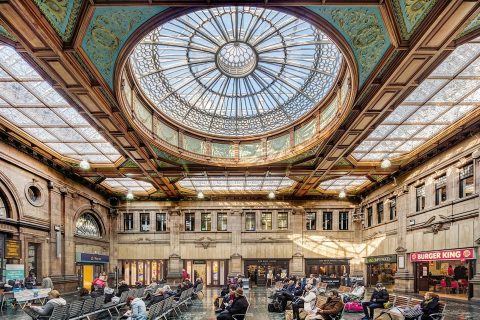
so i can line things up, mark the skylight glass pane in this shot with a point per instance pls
(429, 131)
(128, 184)
(457, 60)
(345, 182)
(455, 90)
(15, 116)
(456, 113)
(41, 134)
(426, 114)
(400, 114)
(381, 131)
(16, 94)
(236, 184)
(425, 90)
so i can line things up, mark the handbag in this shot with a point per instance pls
(353, 306)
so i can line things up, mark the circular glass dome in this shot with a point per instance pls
(236, 71)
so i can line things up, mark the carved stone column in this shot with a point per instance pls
(357, 265)
(404, 278)
(475, 282)
(174, 260)
(235, 227)
(297, 225)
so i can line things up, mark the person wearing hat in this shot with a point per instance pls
(54, 300)
(238, 307)
(378, 298)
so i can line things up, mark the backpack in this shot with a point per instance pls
(275, 306)
(353, 306)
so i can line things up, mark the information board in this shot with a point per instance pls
(14, 272)
(13, 249)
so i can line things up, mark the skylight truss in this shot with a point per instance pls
(28, 102)
(236, 71)
(128, 184)
(345, 182)
(236, 184)
(449, 93)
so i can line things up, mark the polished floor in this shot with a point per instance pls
(203, 309)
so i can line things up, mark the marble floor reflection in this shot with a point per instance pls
(203, 309)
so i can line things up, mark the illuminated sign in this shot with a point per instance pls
(457, 254)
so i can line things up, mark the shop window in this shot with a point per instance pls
(3, 208)
(266, 221)
(250, 221)
(343, 220)
(221, 222)
(369, 216)
(420, 198)
(161, 222)
(144, 222)
(380, 212)
(190, 221)
(311, 220)
(466, 181)
(88, 226)
(282, 220)
(327, 220)
(393, 208)
(127, 221)
(440, 189)
(206, 222)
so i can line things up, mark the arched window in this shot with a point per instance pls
(3, 208)
(87, 225)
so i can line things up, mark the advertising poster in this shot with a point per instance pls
(14, 272)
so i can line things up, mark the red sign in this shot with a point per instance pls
(457, 254)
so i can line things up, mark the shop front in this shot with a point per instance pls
(212, 272)
(89, 266)
(447, 272)
(331, 271)
(381, 269)
(144, 271)
(258, 271)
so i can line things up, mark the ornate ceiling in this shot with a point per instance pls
(389, 49)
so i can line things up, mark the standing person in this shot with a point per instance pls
(378, 298)
(185, 275)
(54, 300)
(450, 270)
(47, 283)
(238, 307)
(30, 280)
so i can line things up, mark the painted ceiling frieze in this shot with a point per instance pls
(363, 29)
(472, 26)
(410, 13)
(109, 29)
(5, 33)
(61, 14)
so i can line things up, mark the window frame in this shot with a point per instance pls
(392, 208)
(191, 215)
(128, 217)
(420, 199)
(463, 176)
(441, 189)
(254, 215)
(205, 221)
(160, 214)
(343, 220)
(147, 216)
(219, 221)
(380, 212)
(283, 213)
(369, 216)
(327, 224)
(266, 226)
(307, 220)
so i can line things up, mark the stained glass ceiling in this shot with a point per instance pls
(236, 71)
(127, 184)
(345, 182)
(236, 184)
(450, 93)
(28, 102)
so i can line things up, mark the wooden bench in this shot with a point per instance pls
(344, 289)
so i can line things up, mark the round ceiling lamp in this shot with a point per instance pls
(342, 194)
(129, 195)
(200, 195)
(386, 163)
(84, 164)
(271, 195)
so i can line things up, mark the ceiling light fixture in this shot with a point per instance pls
(84, 164)
(342, 194)
(386, 163)
(200, 195)
(129, 195)
(271, 195)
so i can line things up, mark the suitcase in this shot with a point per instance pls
(353, 306)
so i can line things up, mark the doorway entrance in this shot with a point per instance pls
(87, 273)
(199, 270)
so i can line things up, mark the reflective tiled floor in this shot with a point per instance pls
(203, 309)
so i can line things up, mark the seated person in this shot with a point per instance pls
(378, 298)
(428, 306)
(150, 289)
(197, 283)
(138, 310)
(83, 294)
(122, 287)
(54, 300)
(109, 294)
(356, 294)
(238, 307)
(307, 302)
(331, 308)
(287, 294)
(228, 298)
(181, 287)
(158, 296)
(168, 290)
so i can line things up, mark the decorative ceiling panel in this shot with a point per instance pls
(236, 184)
(447, 95)
(30, 103)
(410, 13)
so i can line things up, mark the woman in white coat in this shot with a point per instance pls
(309, 299)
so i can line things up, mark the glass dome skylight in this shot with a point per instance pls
(236, 71)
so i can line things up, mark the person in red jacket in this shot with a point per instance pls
(185, 275)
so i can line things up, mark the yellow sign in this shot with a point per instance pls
(13, 249)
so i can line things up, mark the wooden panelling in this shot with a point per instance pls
(385, 98)
(406, 74)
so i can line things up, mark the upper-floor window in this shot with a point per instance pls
(3, 208)
(369, 216)
(440, 189)
(282, 220)
(190, 221)
(145, 222)
(327, 220)
(393, 208)
(87, 225)
(161, 222)
(466, 181)
(206, 222)
(266, 221)
(127, 221)
(250, 221)
(380, 212)
(221, 222)
(343, 220)
(311, 220)
(420, 197)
